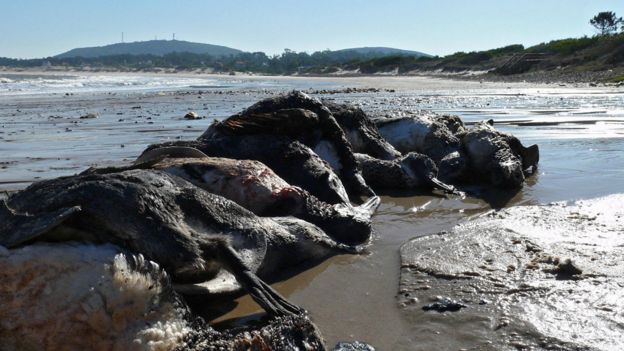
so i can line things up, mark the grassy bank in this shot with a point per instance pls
(598, 58)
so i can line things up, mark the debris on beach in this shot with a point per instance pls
(192, 116)
(564, 269)
(282, 333)
(89, 116)
(353, 346)
(444, 304)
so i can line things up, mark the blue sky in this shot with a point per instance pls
(38, 28)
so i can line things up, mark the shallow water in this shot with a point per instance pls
(349, 297)
(16, 84)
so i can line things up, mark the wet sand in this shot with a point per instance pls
(545, 277)
(349, 297)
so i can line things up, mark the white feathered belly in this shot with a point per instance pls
(407, 135)
(327, 152)
(83, 297)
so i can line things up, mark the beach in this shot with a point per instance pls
(60, 124)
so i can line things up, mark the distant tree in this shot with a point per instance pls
(606, 22)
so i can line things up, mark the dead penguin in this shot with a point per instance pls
(194, 235)
(98, 297)
(412, 171)
(83, 297)
(293, 117)
(293, 161)
(361, 131)
(426, 134)
(497, 158)
(257, 188)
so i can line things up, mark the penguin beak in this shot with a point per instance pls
(445, 187)
(369, 206)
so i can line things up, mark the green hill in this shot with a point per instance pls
(151, 47)
(380, 51)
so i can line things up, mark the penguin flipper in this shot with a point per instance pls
(16, 229)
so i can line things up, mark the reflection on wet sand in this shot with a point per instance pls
(243, 309)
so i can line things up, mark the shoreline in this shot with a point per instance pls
(592, 79)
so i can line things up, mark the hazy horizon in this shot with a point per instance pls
(436, 28)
